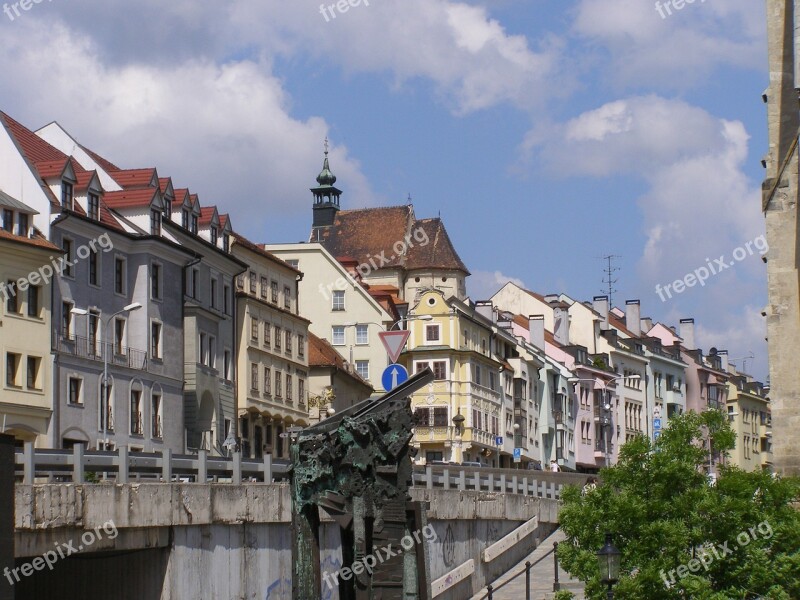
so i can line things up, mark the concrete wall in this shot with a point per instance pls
(6, 511)
(181, 542)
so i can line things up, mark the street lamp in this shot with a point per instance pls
(608, 558)
(606, 404)
(104, 401)
(517, 439)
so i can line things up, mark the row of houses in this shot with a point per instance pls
(135, 316)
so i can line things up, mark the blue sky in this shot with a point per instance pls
(547, 133)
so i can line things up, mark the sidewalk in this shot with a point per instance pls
(541, 576)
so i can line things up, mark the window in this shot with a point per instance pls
(338, 299)
(362, 335)
(301, 346)
(338, 335)
(212, 352)
(253, 283)
(287, 297)
(193, 224)
(288, 342)
(264, 287)
(94, 207)
(75, 387)
(289, 387)
(155, 222)
(12, 303)
(66, 195)
(278, 383)
(93, 264)
(432, 333)
(440, 416)
(476, 419)
(33, 301)
(119, 335)
(168, 209)
(66, 320)
(293, 262)
(254, 329)
(476, 374)
(492, 380)
(362, 368)
(155, 340)
(67, 270)
(213, 292)
(267, 334)
(22, 225)
(301, 390)
(226, 302)
(226, 242)
(214, 235)
(12, 366)
(202, 356)
(254, 377)
(94, 327)
(439, 368)
(136, 413)
(155, 411)
(267, 380)
(155, 281)
(274, 291)
(278, 334)
(8, 220)
(226, 365)
(119, 275)
(185, 218)
(33, 373)
(195, 273)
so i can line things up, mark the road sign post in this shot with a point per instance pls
(394, 342)
(393, 376)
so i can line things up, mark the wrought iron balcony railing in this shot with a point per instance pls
(92, 349)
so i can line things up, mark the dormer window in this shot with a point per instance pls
(193, 225)
(214, 235)
(185, 219)
(167, 209)
(8, 220)
(155, 222)
(94, 207)
(226, 242)
(66, 195)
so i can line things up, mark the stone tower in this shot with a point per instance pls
(779, 203)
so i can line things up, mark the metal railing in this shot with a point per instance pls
(491, 590)
(92, 349)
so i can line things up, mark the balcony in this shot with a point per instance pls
(92, 349)
(157, 432)
(437, 433)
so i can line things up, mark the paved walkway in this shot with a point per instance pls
(541, 576)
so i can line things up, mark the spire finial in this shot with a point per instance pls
(326, 145)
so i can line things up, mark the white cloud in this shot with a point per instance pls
(485, 284)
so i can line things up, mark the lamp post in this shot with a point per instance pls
(607, 406)
(104, 401)
(517, 440)
(608, 559)
(458, 424)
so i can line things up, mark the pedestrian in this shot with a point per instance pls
(554, 466)
(590, 486)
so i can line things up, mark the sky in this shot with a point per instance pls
(546, 133)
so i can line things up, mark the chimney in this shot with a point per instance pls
(536, 330)
(561, 324)
(485, 308)
(600, 305)
(723, 358)
(646, 324)
(632, 317)
(687, 333)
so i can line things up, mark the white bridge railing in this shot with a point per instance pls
(122, 466)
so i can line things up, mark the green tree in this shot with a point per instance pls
(681, 537)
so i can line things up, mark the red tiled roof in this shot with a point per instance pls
(539, 297)
(84, 178)
(130, 198)
(181, 194)
(163, 184)
(370, 232)
(131, 178)
(244, 242)
(223, 220)
(207, 215)
(106, 165)
(48, 169)
(33, 147)
(37, 241)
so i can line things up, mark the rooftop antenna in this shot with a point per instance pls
(744, 360)
(608, 280)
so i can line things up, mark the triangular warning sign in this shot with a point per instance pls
(394, 342)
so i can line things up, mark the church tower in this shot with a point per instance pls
(326, 199)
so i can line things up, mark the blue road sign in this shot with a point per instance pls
(393, 376)
(656, 423)
(656, 435)
(498, 441)
(517, 454)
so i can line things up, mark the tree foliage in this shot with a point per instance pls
(681, 537)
